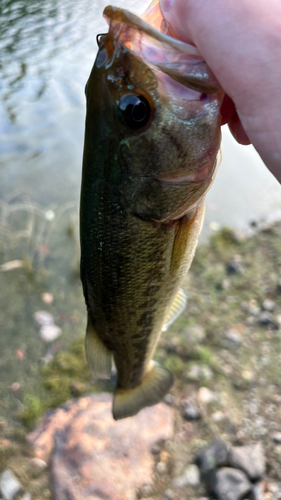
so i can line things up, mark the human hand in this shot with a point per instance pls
(240, 40)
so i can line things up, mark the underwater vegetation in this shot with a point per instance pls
(26, 230)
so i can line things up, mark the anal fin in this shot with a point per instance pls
(153, 387)
(98, 356)
(178, 306)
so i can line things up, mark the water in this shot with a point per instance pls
(47, 49)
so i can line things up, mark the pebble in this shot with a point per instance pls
(43, 318)
(257, 492)
(47, 298)
(198, 372)
(205, 396)
(169, 494)
(49, 333)
(276, 437)
(190, 410)
(212, 456)
(155, 449)
(234, 266)
(169, 399)
(278, 286)
(37, 466)
(161, 467)
(191, 476)
(195, 334)
(26, 496)
(145, 491)
(248, 458)
(218, 416)
(9, 485)
(15, 387)
(268, 305)
(267, 319)
(228, 484)
(232, 339)
(251, 307)
(278, 319)
(277, 495)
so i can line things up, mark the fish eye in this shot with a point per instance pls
(135, 111)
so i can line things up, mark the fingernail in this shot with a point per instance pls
(166, 7)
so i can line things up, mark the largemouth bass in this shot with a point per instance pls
(150, 155)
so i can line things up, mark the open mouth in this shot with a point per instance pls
(174, 58)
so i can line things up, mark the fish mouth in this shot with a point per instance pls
(176, 59)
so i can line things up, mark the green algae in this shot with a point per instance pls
(65, 377)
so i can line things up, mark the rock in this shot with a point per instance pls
(248, 458)
(278, 319)
(228, 484)
(267, 319)
(212, 456)
(155, 449)
(277, 495)
(218, 416)
(15, 387)
(26, 496)
(190, 410)
(145, 491)
(199, 372)
(37, 466)
(49, 333)
(191, 476)
(43, 318)
(47, 297)
(169, 400)
(257, 492)
(232, 339)
(110, 459)
(205, 396)
(161, 467)
(9, 485)
(268, 305)
(276, 437)
(169, 494)
(234, 266)
(195, 334)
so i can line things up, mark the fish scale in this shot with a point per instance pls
(149, 159)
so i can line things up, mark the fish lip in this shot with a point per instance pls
(112, 13)
(181, 61)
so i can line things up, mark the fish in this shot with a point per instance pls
(152, 140)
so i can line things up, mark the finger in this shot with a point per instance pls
(237, 130)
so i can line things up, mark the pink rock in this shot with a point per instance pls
(94, 456)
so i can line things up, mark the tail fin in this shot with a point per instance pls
(153, 387)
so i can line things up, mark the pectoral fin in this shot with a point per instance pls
(178, 306)
(98, 356)
(153, 387)
(181, 240)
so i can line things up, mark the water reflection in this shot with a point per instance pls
(47, 50)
